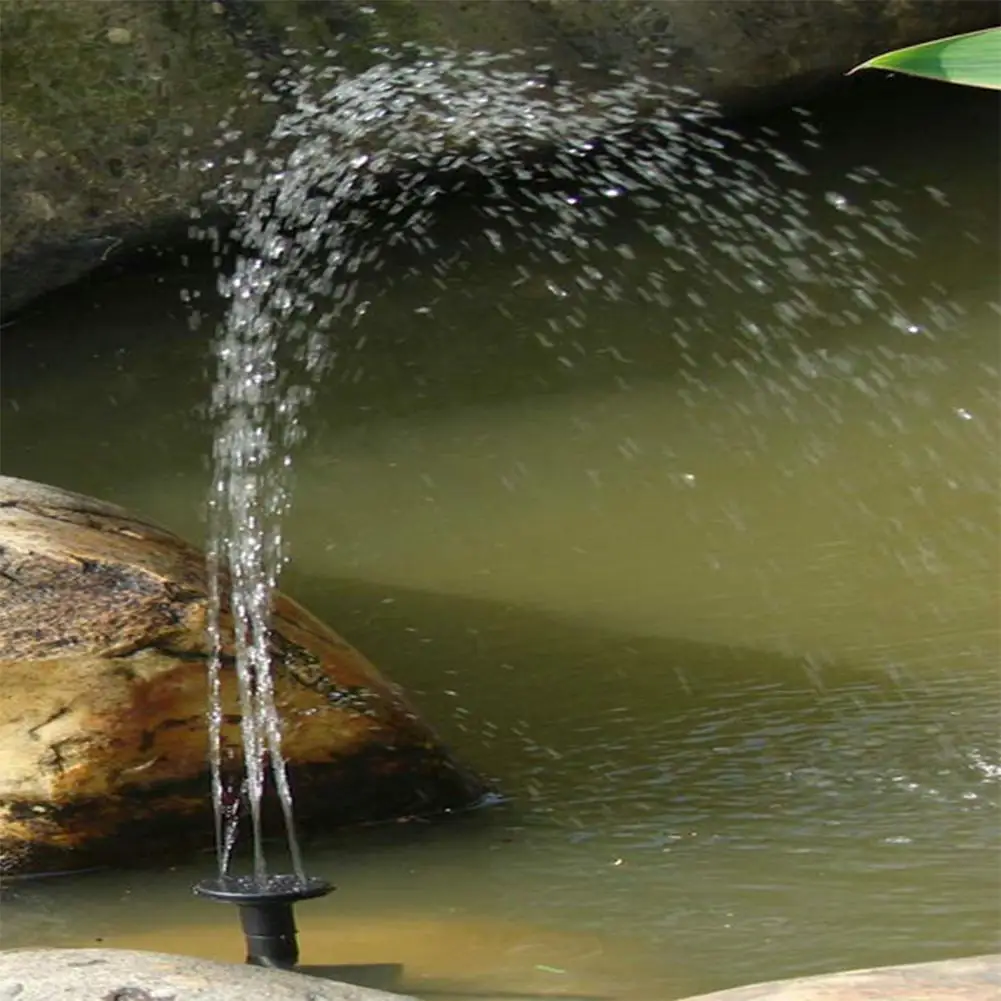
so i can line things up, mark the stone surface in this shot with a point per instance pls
(977, 978)
(103, 694)
(112, 109)
(134, 975)
(125, 975)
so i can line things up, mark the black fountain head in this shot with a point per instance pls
(266, 912)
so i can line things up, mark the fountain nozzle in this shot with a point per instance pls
(266, 912)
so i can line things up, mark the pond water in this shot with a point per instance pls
(713, 598)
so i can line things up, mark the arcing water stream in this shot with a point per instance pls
(365, 160)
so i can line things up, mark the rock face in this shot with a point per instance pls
(974, 979)
(103, 695)
(113, 110)
(125, 975)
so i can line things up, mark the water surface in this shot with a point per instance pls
(710, 590)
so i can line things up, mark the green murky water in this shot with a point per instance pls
(720, 615)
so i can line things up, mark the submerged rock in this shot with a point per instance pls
(125, 975)
(113, 110)
(103, 694)
(970, 979)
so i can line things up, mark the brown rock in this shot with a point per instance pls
(103, 692)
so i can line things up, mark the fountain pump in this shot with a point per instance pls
(266, 913)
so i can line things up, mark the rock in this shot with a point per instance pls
(103, 694)
(974, 979)
(113, 110)
(123, 975)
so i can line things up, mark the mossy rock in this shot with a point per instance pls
(113, 111)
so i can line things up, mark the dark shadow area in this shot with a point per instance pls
(868, 118)
(464, 660)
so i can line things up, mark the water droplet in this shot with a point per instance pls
(905, 325)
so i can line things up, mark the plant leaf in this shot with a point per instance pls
(973, 59)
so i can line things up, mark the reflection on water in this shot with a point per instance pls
(711, 593)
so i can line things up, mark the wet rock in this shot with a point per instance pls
(113, 111)
(103, 693)
(973, 979)
(123, 975)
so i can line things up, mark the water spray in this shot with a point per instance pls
(305, 227)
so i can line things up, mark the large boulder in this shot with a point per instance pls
(103, 698)
(126, 975)
(113, 111)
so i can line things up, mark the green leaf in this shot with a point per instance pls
(973, 59)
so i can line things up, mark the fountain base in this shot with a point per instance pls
(266, 912)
